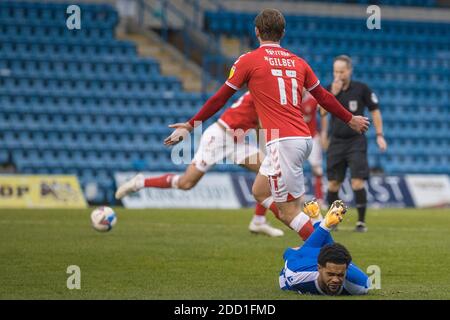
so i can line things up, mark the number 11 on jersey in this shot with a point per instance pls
(282, 87)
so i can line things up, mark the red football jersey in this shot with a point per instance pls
(275, 78)
(241, 115)
(309, 108)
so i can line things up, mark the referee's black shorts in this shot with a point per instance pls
(346, 153)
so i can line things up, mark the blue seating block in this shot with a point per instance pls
(84, 103)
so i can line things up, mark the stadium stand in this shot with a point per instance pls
(396, 3)
(83, 102)
(403, 3)
(407, 64)
(80, 101)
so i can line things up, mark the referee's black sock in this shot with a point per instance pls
(331, 197)
(361, 203)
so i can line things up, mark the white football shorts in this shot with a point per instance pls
(283, 165)
(216, 145)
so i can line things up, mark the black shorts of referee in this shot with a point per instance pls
(347, 153)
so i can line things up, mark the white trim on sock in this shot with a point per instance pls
(322, 225)
(259, 219)
(318, 219)
(267, 202)
(174, 182)
(299, 221)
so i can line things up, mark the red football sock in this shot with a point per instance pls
(260, 210)
(164, 181)
(306, 231)
(302, 225)
(274, 209)
(318, 188)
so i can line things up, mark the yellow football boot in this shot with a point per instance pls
(335, 214)
(312, 209)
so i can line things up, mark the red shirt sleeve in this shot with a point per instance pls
(240, 72)
(311, 80)
(213, 104)
(330, 103)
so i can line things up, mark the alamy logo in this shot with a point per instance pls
(374, 20)
(74, 20)
(374, 273)
(74, 280)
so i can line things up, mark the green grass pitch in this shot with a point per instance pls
(207, 254)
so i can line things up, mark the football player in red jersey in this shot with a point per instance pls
(275, 78)
(225, 139)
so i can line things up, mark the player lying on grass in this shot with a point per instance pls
(225, 139)
(322, 266)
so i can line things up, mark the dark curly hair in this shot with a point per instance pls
(335, 253)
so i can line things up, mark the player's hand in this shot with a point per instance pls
(181, 131)
(336, 86)
(324, 141)
(382, 144)
(359, 123)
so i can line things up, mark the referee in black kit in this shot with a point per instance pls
(346, 148)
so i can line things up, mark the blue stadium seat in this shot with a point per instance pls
(83, 102)
(407, 65)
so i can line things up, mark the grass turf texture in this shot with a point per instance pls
(207, 254)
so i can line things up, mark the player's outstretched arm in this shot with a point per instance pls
(324, 128)
(211, 106)
(359, 123)
(181, 131)
(331, 104)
